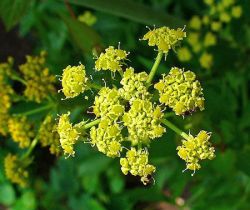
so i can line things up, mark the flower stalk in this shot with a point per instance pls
(175, 129)
(155, 67)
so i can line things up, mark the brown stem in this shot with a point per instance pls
(70, 9)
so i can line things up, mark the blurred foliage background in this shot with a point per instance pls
(92, 181)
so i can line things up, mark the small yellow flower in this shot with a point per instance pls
(195, 23)
(21, 131)
(196, 149)
(5, 89)
(164, 38)
(205, 20)
(210, 39)
(68, 134)
(206, 60)
(180, 91)
(88, 18)
(4, 124)
(193, 38)
(107, 137)
(48, 136)
(107, 104)
(216, 25)
(209, 2)
(184, 54)
(39, 81)
(228, 3)
(237, 11)
(112, 59)
(15, 171)
(143, 121)
(74, 81)
(133, 85)
(136, 163)
(225, 17)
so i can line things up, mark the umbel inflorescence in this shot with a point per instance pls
(37, 85)
(128, 116)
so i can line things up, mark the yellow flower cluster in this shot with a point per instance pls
(107, 137)
(107, 104)
(88, 18)
(136, 162)
(14, 170)
(180, 91)
(143, 121)
(74, 81)
(21, 131)
(219, 13)
(39, 82)
(68, 134)
(126, 117)
(112, 59)
(5, 94)
(133, 85)
(164, 38)
(48, 136)
(195, 149)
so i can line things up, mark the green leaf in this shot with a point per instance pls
(27, 201)
(84, 37)
(133, 11)
(7, 194)
(12, 11)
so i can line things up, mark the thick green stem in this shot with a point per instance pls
(175, 129)
(34, 111)
(154, 68)
(29, 151)
(93, 123)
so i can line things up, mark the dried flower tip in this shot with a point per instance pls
(74, 81)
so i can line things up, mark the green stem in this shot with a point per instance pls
(34, 111)
(169, 114)
(154, 68)
(93, 123)
(175, 129)
(32, 146)
(19, 79)
(94, 86)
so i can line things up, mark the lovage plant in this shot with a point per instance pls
(131, 114)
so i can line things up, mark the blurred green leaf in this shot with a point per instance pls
(93, 164)
(12, 11)
(7, 194)
(27, 201)
(84, 37)
(133, 11)
(243, 162)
